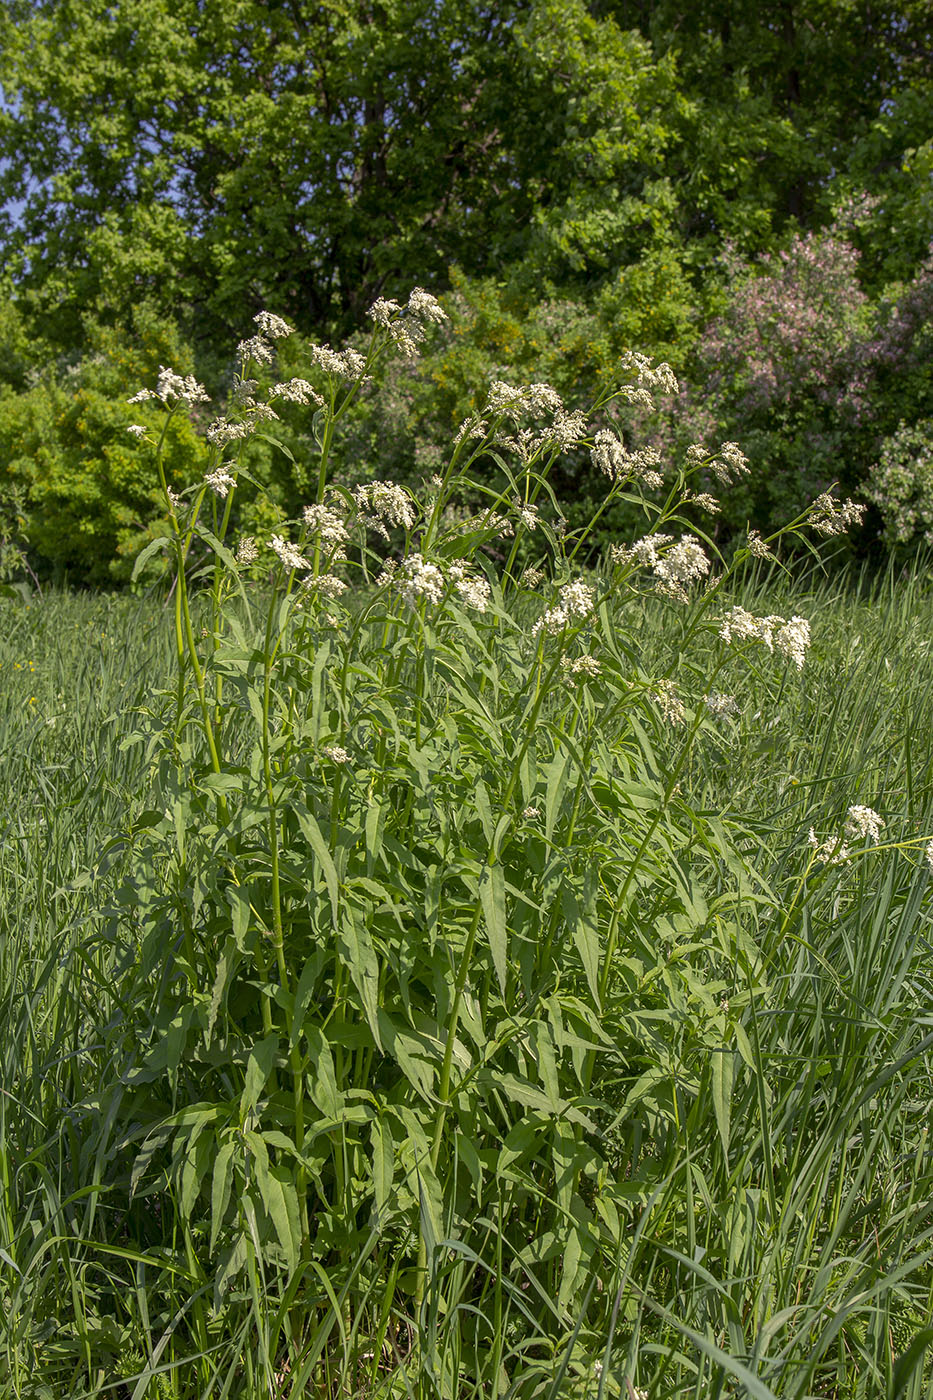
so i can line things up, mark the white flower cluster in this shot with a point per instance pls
(680, 565)
(581, 666)
(408, 325)
(297, 391)
(500, 526)
(727, 465)
(532, 576)
(220, 481)
(137, 430)
(473, 427)
(223, 431)
(339, 364)
(324, 585)
(649, 379)
(564, 431)
(226, 430)
(424, 307)
(574, 600)
(672, 707)
(721, 705)
(272, 326)
(527, 513)
(472, 588)
(644, 551)
(610, 456)
(381, 504)
(683, 564)
(291, 557)
(327, 523)
(864, 824)
(828, 517)
(704, 500)
(790, 638)
(417, 578)
(538, 399)
(256, 351)
(247, 551)
(793, 639)
(636, 394)
(928, 854)
(757, 546)
(336, 753)
(382, 311)
(175, 386)
(405, 337)
(834, 851)
(527, 443)
(327, 585)
(170, 385)
(260, 412)
(515, 401)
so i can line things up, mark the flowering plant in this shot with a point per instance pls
(436, 927)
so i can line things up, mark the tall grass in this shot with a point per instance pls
(392, 1008)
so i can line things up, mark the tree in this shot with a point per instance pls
(793, 104)
(311, 157)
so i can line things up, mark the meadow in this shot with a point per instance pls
(431, 986)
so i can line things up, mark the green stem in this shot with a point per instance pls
(199, 681)
(296, 1064)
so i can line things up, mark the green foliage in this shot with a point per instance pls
(310, 156)
(86, 484)
(427, 989)
(901, 485)
(808, 372)
(792, 104)
(13, 538)
(849, 729)
(19, 354)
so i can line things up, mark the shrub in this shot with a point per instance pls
(780, 370)
(516, 332)
(90, 501)
(807, 372)
(901, 485)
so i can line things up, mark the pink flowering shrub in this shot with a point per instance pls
(790, 328)
(809, 373)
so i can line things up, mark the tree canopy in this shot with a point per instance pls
(616, 167)
(313, 155)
